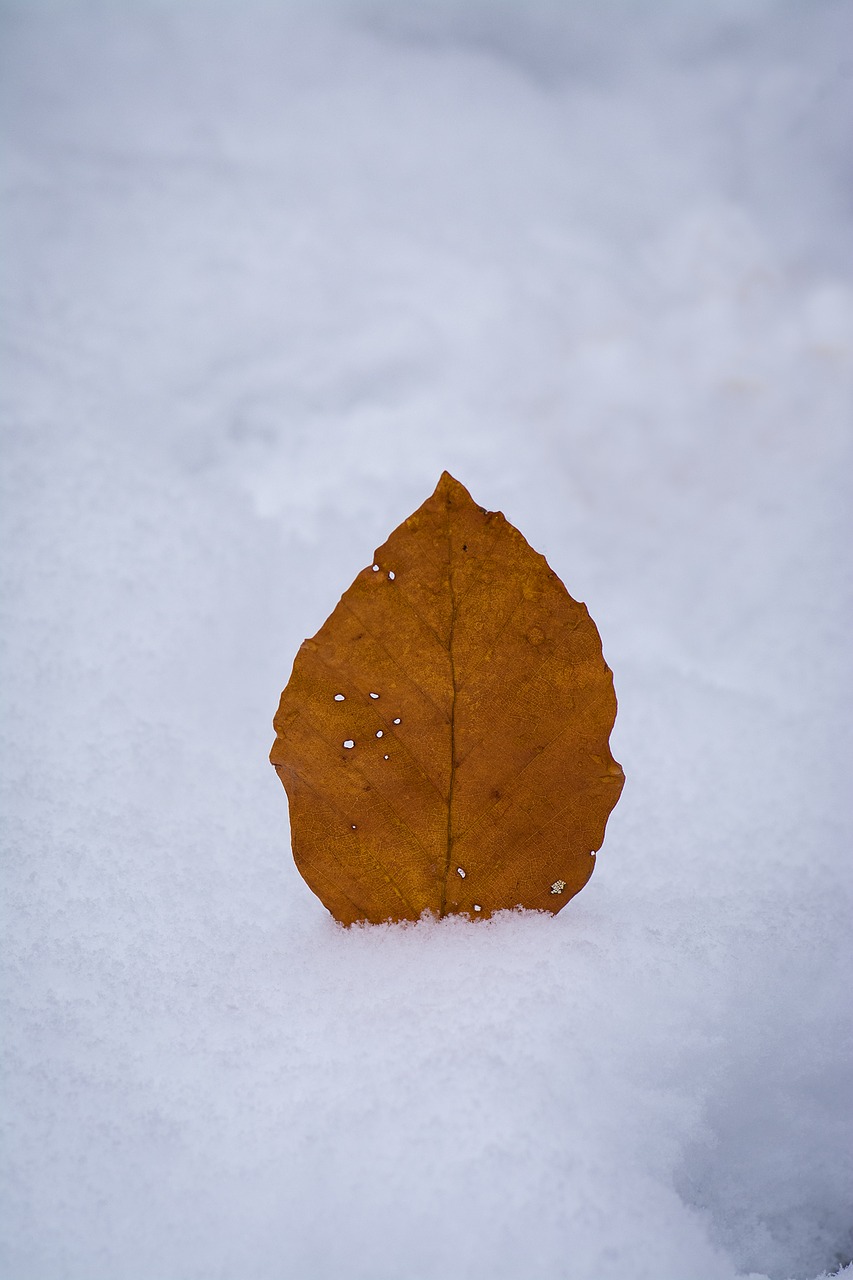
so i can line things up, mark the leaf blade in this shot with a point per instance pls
(463, 707)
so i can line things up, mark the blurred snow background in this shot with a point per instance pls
(267, 269)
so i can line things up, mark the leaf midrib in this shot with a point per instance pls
(449, 857)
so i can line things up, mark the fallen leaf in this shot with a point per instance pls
(443, 739)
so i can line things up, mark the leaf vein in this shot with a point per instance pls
(395, 661)
(376, 861)
(487, 809)
(390, 729)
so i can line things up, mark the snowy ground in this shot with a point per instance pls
(271, 270)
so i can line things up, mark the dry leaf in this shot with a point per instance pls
(443, 739)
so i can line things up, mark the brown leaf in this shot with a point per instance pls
(443, 739)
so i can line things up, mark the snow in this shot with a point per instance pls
(273, 268)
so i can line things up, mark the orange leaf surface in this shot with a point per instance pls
(443, 739)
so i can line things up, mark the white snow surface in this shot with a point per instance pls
(267, 270)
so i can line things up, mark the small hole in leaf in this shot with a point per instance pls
(558, 886)
(391, 574)
(380, 733)
(397, 721)
(386, 757)
(349, 744)
(477, 907)
(373, 695)
(376, 568)
(353, 826)
(339, 697)
(460, 872)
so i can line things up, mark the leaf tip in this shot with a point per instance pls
(450, 488)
